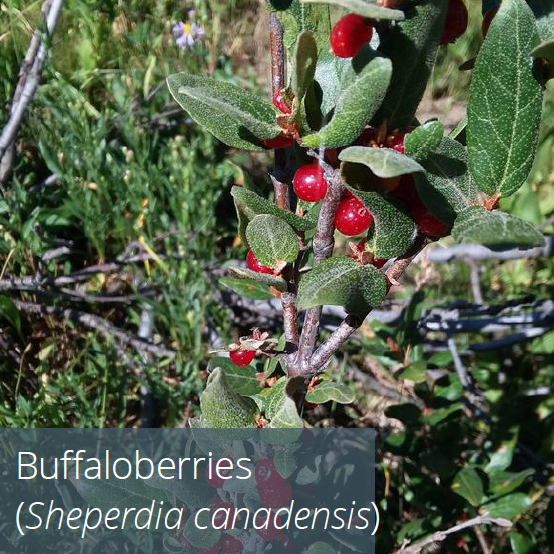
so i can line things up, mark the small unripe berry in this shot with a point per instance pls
(487, 20)
(230, 544)
(280, 141)
(216, 481)
(280, 103)
(353, 217)
(242, 358)
(253, 264)
(276, 498)
(309, 182)
(455, 24)
(350, 34)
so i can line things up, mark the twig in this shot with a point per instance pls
(467, 252)
(99, 324)
(475, 283)
(482, 540)
(439, 536)
(28, 83)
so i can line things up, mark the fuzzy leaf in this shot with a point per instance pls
(320, 547)
(468, 485)
(286, 417)
(328, 74)
(495, 229)
(224, 408)
(393, 230)
(342, 282)
(411, 45)
(235, 116)
(256, 205)
(326, 391)
(285, 463)
(261, 278)
(249, 288)
(243, 380)
(424, 140)
(305, 61)
(384, 162)
(198, 537)
(272, 240)
(508, 506)
(447, 187)
(363, 8)
(505, 103)
(545, 50)
(544, 14)
(363, 88)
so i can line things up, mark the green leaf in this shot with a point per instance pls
(327, 391)
(363, 88)
(272, 240)
(224, 408)
(447, 187)
(508, 506)
(247, 288)
(384, 162)
(285, 463)
(305, 61)
(424, 140)
(342, 282)
(275, 397)
(468, 485)
(328, 75)
(243, 380)
(505, 102)
(9, 311)
(286, 417)
(393, 230)
(495, 229)
(502, 457)
(242, 220)
(545, 50)
(320, 547)
(261, 278)
(363, 8)
(504, 482)
(201, 538)
(411, 45)
(236, 117)
(416, 372)
(258, 205)
(310, 471)
(521, 544)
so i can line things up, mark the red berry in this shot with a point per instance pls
(276, 498)
(396, 141)
(218, 519)
(455, 23)
(213, 550)
(431, 226)
(216, 481)
(379, 262)
(407, 190)
(309, 182)
(242, 358)
(287, 546)
(271, 533)
(280, 141)
(267, 477)
(253, 264)
(230, 545)
(369, 137)
(487, 20)
(280, 103)
(353, 217)
(350, 34)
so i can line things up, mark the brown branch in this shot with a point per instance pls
(109, 331)
(439, 536)
(351, 323)
(277, 54)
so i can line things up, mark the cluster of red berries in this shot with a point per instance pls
(274, 491)
(455, 24)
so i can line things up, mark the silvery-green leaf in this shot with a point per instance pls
(263, 278)
(505, 102)
(495, 229)
(286, 417)
(384, 162)
(201, 538)
(272, 240)
(243, 380)
(249, 288)
(328, 390)
(342, 282)
(363, 8)
(424, 140)
(285, 463)
(235, 116)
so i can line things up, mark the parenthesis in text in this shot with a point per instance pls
(376, 518)
(17, 519)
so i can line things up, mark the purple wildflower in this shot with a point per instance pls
(186, 34)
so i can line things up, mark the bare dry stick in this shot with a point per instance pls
(439, 536)
(109, 331)
(28, 83)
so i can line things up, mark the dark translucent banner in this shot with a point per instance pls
(187, 490)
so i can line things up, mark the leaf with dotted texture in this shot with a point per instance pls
(342, 282)
(424, 140)
(363, 8)
(363, 86)
(237, 117)
(272, 240)
(245, 274)
(505, 102)
(495, 229)
(384, 162)
(328, 390)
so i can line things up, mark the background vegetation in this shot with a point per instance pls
(108, 169)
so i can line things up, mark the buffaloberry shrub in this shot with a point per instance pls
(350, 103)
